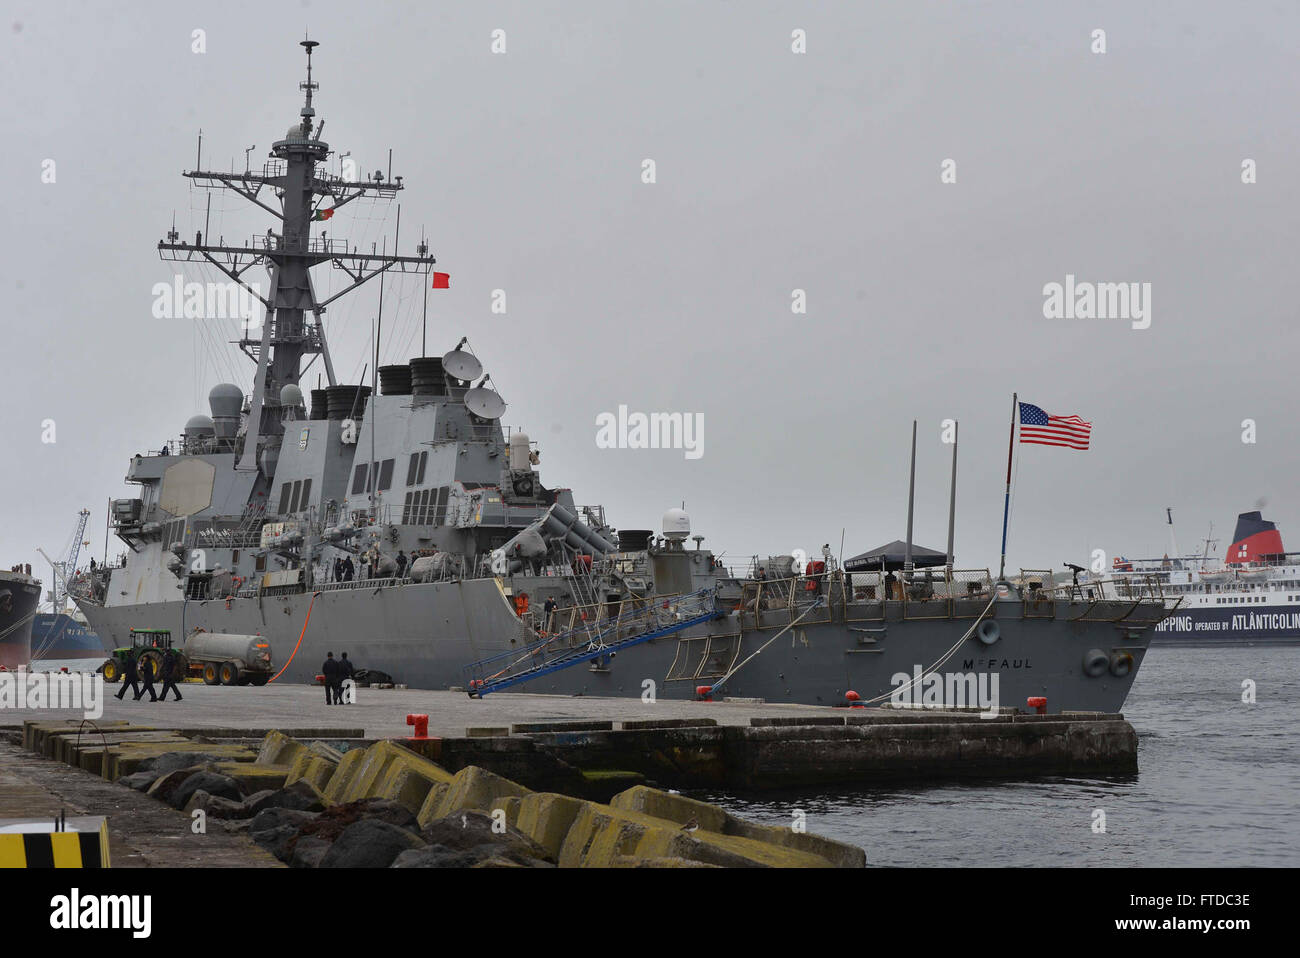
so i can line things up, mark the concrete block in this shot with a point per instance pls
(546, 818)
(600, 835)
(640, 724)
(526, 727)
(486, 731)
(680, 810)
(254, 776)
(470, 788)
(279, 749)
(783, 721)
(127, 758)
(342, 778)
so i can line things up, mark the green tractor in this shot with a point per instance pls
(148, 645)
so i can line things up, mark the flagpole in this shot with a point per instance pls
(1006, 500)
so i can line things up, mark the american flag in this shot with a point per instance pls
(1047, 430)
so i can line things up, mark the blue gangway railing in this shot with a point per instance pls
(592, 639)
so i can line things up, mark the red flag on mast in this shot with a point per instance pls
(442, 280)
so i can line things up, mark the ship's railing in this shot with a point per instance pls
(379, 583)
(577, 624)
(776, 603)
(1037, 594)
(1133, 598)
(595, 629)
(233, 538)
(942, 594)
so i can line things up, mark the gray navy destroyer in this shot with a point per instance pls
(406, 525)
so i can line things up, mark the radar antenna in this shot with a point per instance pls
(294, 323)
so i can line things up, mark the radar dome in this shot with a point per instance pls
(677, 524)
(225, 400)
(199, 426)
(290, 395)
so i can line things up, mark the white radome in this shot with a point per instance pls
(677, 524)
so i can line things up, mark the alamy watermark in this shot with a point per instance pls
(53, 690)
(947, 689)
(1086, 300)
(224, 300)
(656, 430)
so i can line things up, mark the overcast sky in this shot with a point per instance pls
(776, 171)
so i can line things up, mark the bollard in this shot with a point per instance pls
(421, 723)
(1037, 702)
(854, 699)
(705, 692)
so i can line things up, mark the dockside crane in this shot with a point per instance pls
(64, 568)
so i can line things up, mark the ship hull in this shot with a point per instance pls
(1263, 625)
(58, 637)
(424, 635)
(19, 597)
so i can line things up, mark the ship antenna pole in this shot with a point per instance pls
(374, 392)
(911, 499)
(1006, 499)
(423, 250)
(952, 497)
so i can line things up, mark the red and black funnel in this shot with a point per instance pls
(1255, 540)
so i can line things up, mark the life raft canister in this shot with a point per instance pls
(989, 631)
(814, 569)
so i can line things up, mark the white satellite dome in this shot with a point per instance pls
(677, 524)
(290, 395)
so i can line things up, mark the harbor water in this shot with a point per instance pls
(1217, 785)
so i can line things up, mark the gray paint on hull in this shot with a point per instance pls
(424, 635)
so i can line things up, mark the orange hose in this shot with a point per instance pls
(300, 638)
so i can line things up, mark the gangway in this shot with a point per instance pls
(593, 639)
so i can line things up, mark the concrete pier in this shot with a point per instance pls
(548, 741)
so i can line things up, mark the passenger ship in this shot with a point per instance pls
(1250, 596)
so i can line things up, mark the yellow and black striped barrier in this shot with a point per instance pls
(51, 843)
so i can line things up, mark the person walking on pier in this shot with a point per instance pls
(330, 669)
(130, 677)
(348, 569)
(346, 671)
(146, 682)
(169, 669)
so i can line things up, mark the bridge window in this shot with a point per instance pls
(284, 497)
(359, 479)
(385, 474)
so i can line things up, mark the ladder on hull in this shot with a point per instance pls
(591, 641)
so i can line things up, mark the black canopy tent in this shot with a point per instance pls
(890, 557)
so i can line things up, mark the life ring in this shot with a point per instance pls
(238, 581)
(1095, 663)
(1121, 664)
(989, 632)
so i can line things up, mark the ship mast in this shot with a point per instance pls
(294, 326)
